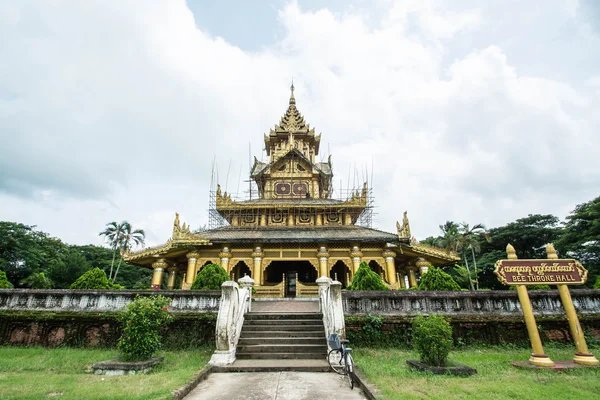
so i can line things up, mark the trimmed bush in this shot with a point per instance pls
(597, 284)
(436, 279)
(95, 279)
(143, 323)
(211, 277)
(4, 283)
(432, 338)
(366, 279)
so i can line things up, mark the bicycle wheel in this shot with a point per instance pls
(350, 370)
(336, 362)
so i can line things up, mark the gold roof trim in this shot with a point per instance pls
(181, 236)
(433, 251)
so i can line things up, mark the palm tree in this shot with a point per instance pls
(450, 235)
(112, 234)
(470, 240)
(128, 239)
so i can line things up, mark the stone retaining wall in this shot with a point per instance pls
(103, 300)
(498, 304)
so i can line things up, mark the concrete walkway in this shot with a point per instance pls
(275, 386)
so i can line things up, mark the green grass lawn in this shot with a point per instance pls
(496, 377)
(39, 373)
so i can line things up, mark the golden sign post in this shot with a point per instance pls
(552, 271)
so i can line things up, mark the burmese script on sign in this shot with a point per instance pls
(535, 272)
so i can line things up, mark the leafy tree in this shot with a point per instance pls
(94, 279)
(210, 277)
(436, 279)
(596, 285)
(450, 236)
(4, 283)
(366, 279)
(581, 238)
(461, 276)
(38, 280)
(432, 338)
(68, 268)
(528, 235)
(24, 250)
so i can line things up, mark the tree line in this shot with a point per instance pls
(479, 248)
(32, 258)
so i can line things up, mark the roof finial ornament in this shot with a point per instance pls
(292, 99)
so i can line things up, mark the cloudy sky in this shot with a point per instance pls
(467, 110)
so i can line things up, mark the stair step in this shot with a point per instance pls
(273, 340)
(273, 315)
(264, 328)
(281, 356)
(283, 322)
(267, 365)
(282, 334)
(282, 348)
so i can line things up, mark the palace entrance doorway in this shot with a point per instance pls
(304, 270)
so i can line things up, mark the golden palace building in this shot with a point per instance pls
(295, 231)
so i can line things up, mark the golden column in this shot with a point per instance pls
(583, 355)
(192, 257)
(423, 265)
(538, 357)
(412, 276)
(323, 257)
(401, 276)
(159, 267)
(258, 255)
(390, 266)
(225, 256)
(172, 277)
(356, 255)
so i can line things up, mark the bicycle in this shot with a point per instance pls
(339, 357)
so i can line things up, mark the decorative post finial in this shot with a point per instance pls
(551, 251)
(511, 252)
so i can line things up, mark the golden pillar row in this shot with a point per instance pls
(323, 257)
(390, 266)
(258, 256)
(225, 256)
(159, 268)
(538, 357)
(356, 256)
(172, 277)
(192, 258)
(582, 355)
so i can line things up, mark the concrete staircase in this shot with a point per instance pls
(279, 337)
(282, 336)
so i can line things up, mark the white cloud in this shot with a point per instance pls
(115, 110)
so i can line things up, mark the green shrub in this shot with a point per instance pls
(533, 287)
(143, 323)
(436, 279)
(432, 338)
(366, 279)
(95, 279)
(597, 284)
(4, 283)
(211, 277)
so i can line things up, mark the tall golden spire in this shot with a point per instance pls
(292, 98)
